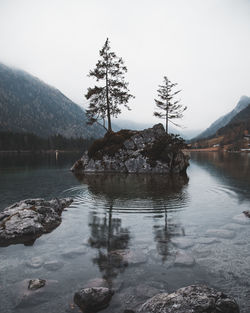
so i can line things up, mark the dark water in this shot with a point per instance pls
(128, 229)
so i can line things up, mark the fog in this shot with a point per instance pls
(203, 46)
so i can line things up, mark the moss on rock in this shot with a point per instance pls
(110, 144)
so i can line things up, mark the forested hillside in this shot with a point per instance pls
(234, 136)
(224, 120)
(28, 105)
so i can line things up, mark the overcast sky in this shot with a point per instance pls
(203, 45)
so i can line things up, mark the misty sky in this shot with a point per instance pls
(203, 45)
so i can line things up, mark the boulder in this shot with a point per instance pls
(147, 151)
(247, 213)
(191, 299)
(93, 299)
(27, 220)
(37, 283)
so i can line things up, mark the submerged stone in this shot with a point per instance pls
(207, 241)
(73, 253)
(184, 259)
(127, 257)
(32, 292)
(96, 282)
(191, 299)
(146, 291)
(182, 243)
(242, 218)
(53, 265)
(221, 233)
(233, 226)
(35, 262)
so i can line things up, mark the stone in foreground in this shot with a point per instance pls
(247, 213)
(148, 151)
(36, 283)
(27, 220)
(93, 299)
(191, 299)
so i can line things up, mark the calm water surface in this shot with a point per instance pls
(127, 230)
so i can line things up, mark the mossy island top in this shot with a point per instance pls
(127, 151)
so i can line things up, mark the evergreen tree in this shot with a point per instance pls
(166, 103)
(105, 99)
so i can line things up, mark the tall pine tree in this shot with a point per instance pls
(106, 98)
(169, 108)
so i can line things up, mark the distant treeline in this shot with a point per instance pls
(29, 142)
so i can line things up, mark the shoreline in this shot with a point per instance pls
(212, 149)
(216, 150)
(38, 151)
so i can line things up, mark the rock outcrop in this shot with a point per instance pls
(191, 299)
(27, 220)
(147, 151)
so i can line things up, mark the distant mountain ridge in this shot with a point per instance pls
(29, 105)
(224, 120)
(238, 126)
(234, 136)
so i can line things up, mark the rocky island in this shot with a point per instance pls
(147, 151)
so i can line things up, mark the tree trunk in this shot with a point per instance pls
(107, 99)
(167, 120)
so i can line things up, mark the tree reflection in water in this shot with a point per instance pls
(154, 195)
(164, 233)
(108, 235)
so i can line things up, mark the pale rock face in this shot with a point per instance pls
(131, 158)
(26, 220)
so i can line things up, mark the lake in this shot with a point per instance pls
(139, 234)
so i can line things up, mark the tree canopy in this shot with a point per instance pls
(112, 91)
(168, 106)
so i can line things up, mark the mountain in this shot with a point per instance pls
(237, 131)
(224, 120)
(242, 117)
(232, 137)
(29, 105)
